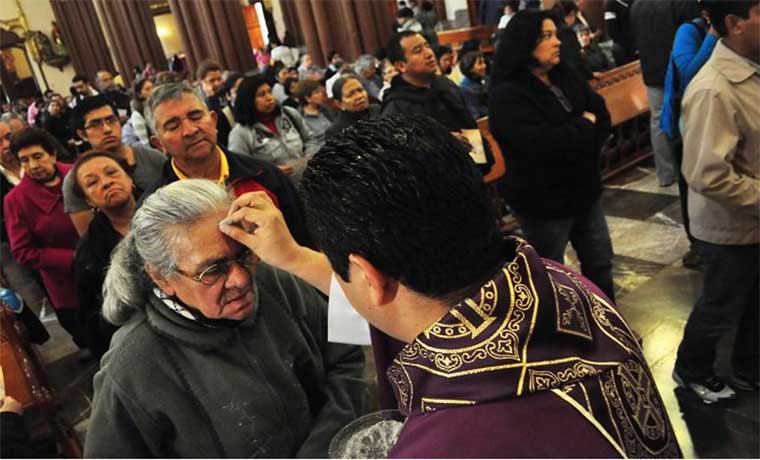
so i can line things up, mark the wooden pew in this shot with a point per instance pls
(496, 173)
(625, 94)
(26, 381)
(455, 38)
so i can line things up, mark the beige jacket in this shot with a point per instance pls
(721, 159)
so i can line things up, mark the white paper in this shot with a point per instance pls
(344, 324)
(478, 152)
(2, 386)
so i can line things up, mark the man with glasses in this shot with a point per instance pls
(96, 121)
(217, 355)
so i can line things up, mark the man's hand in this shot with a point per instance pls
(11, 405)
(254, 221)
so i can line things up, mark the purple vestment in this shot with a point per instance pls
(537, 363)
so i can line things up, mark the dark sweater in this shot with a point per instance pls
(552, 155)
(443, 101)
(654, 24)
(91, 260)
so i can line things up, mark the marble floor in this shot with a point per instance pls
(654, 292)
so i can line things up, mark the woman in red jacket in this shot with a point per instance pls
(40, 233)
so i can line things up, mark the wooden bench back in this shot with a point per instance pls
(624, 91)
(499, 167)
(456, 37)
(625, 94)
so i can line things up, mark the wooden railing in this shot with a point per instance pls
(625, 94)
(456, 37)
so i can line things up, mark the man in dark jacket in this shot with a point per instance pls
(663, 16)
(186, 130)
(617, 15)
(418, 89)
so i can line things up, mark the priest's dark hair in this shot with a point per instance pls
(403, 193)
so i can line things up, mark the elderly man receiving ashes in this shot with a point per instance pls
(218, 355)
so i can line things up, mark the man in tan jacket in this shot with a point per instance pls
(721, 164)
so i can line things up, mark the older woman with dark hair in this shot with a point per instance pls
(551, 127)
(40, 233)
(102, 180)
(473, 85)
(267, 131)
(354, 104)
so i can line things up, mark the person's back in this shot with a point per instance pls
(663, 16)
(470, 326)
(539, 363)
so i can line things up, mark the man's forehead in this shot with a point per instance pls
(407, 43)
(178, 107)
(213, 75)
(100, 112)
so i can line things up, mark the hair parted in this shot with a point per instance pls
(514, 54)
(244, 109)
(28, 137)
(91, 155)
(156, 229)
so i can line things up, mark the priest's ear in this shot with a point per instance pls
(380, 288)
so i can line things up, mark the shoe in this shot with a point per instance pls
(692, 259)
(710, 390)
(744, 382)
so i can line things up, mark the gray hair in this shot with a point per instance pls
(364, 63)
(156, 229)
(166, 92)
(10, 116)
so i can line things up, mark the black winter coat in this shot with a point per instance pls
(443, 101)
(91, 260)
(551, 155)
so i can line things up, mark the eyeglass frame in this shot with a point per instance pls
(240, 259)
(97, 125)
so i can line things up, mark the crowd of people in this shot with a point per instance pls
(188, 233)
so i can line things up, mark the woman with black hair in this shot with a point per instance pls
(354, 104)
(551, 127)
(100, 178)
(270, 132)
(473, 85)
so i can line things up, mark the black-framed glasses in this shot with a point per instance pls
(99, 123)
(221, 270)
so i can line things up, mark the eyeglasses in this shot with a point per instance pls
(99, 123)
(221, 270)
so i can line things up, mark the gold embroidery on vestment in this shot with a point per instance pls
(573, 403)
